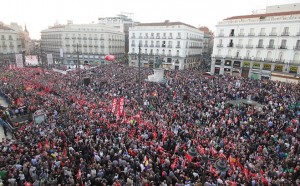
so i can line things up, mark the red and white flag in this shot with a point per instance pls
(121, 106)
(114, 105)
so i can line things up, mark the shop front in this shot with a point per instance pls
(217, 70)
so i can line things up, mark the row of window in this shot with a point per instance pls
(3, 37)
(164, 36)
(251, 32)
(260, 44)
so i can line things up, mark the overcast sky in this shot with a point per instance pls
(39, 14)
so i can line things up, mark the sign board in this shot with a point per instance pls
(50, 59)
(19, 60)
(31, 60)
(256, 65)
(61, 52)
(39, 117)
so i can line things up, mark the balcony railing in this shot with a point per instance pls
(140, 37)
(102, 38)
(231, 34)
(251, 34)
(73, 37)
(249, 46)
(95, 38)
(151, 45)
(164, 37)
(170, 37)
(270, 47)
(282, 47)
(84, 38)
(170, 46)
(241, 34)
(239, 46)
(230, 45)
(67, 38)
(273, 34)
(285, 34)
(96, 45)
(157, 46)
(297, 47)
(220, 45)
(221, 35)
(262, 34)
(146, 45)
(178, 46)
(259, 46)
(258, 59)
(294, 62)
(157, 37)
(268, 59)
(78, 37)
(281, 61)
(132, 37)
(11, 46)
(90, 45)
(133, 45)
(178, 37)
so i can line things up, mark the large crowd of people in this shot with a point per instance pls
(182, 132)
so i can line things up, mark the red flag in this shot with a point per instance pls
(28, 183)
(246, 172)
(188, 157)
(78, 175)
(264, 181)
(201, 150)
(213, 151)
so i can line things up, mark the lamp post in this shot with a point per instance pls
(139, 78)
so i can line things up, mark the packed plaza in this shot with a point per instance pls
(182, 131)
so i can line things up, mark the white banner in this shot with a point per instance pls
(50, 59)
(61, 52)
(31, 60)
(19, 60)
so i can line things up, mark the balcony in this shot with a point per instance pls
(90, 38)
(67, 38)
(67, 45)
(285, 34)
(230, 45)
(146, 37)
(96, 46)
(270, 47)
(157, 37)
(177, 46)
(90, 45)
(249, 46)
(268, 59)
(101, 46)
(297, 47)
(84, 38)
(178, 37)
(4, 46)
(221, 35)
(146, 45)
(241, 34)
(152, 45)
(258, 59)
(262, 34)
(259, 46)
(169, 54)
(251, 34)
(84, 45)
(157, 46)
(282, 47)
(73, 37)
(220, 45)
(273, 34)
(294, 62)
(140, 37)
(164, 37)
(102, 38)
(280, 61)
(133, 45)
(231, 35)
(11, 46)
(170, 37)
(151, 37)
(228, 56)
(79, 38)
(132, 37)
(170, 46)
(74, 45)
(239, 46)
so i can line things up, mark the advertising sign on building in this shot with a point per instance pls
(49, 59)
(19, 60)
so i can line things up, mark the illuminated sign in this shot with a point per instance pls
(267, 66)
(246, 64)
(278, 68)
(293, 69)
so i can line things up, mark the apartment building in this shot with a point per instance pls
(174, 45)
(88, 42)
(258, 45)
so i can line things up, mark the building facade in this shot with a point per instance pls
(88, 42)
(122, 22)
(174, 45)
(258, 45)
(13, 41)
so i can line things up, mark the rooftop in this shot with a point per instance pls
(264, 15)
(166, 23)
